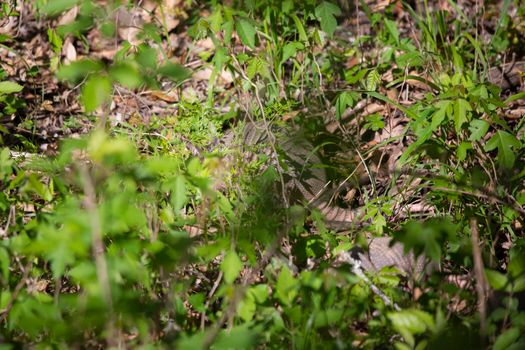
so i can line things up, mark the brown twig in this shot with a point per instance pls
(97, 245)
(18, 288)
(481, 284)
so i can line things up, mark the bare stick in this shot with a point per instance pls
(97, 245)
(481, 285)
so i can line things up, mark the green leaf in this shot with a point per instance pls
(96, 92)
(372, 80)
(506, 339)
(174, 71)
(300, 28)
(392, 29)
(374, 122)
(410, 322)
(518, 96)
(461, 107)
(496, 279)
(55, 7)
(9, 87)
(126, 74)
(78, 70)
(259, 292)
(461, 152)
(504, 142)
(326, 13)
(55, 40)
(231, 266)
(444, 110)
(478, 129)
(258, 66)
(197, 301)
(246, 31)
(290, 49)
(179, 193)
(5, 262)
(285, 288)
(343, 101)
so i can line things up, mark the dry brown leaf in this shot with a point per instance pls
(165, 96)
(68, 17)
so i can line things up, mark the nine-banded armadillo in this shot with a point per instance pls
(508, 75)
(305, 179)
(381, 253)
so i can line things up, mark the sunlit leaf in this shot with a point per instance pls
(496, 279)
(9, 87)
(325, 13)
(246, 31)
(286, 287)
(461, 107)
(478, 129)
(506, 339)
(55, 7)
(96, 92)
(504, 142)
(78, 70)
(231, 266)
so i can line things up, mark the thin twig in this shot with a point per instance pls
(97, 245)
(481, 284)
(18, 288)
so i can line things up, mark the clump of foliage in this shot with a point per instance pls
(123, 239)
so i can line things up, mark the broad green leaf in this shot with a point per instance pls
(392, 29)
(126, 74)
(374, 122)
(259, 292)
(478, 129)
(496, 279)
(55, 40)
(258, 66)
(330, 316)
(231, 266)
(506, 339)
(409, 59)
(216, 20)
(411, 322)
(504, 142)
(227, 28)
(179, 193)
(246, 31)
(174, 71)
(461, 107)
(238, 337)
(286, 287)
(55, 7)
(9, 87)
(372, 80)
(343, 101)
(197, 301)
(462, 149)
(444, 110)
(78, 70)
(5, 262)
(147, 57)
(290, 49)
(247, 307)
(517, 261)
(96, 92)
(326, 13)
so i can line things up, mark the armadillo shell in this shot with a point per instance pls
(381, 254)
